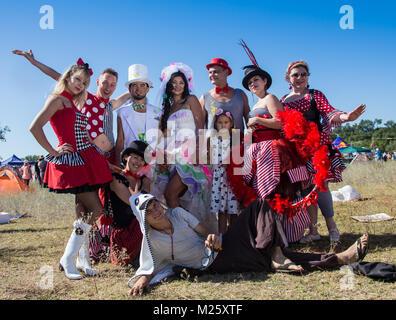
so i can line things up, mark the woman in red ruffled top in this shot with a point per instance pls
(75, 165)
(315, 107)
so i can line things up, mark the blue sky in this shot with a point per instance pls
(350, 66)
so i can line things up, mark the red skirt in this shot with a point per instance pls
(91, 175)
(125, 243)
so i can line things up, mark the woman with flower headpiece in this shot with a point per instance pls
(315, 108)
(75, 166)
(179, 176)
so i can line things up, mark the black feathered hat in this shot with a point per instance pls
(251, 71)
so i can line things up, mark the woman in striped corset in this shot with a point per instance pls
(270, 158)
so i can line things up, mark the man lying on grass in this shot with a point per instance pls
(174, 237)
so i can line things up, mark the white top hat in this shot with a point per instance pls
(138, 73)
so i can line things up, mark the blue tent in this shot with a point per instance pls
(13, 161)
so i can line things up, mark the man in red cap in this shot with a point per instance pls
(223, 97)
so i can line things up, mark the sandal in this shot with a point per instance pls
(285, 268)
(334, 235)
(362, 253)
(310, 238)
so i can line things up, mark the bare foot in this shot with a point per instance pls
(351, 255)
(280, 262)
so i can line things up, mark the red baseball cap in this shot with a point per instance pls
(219, 62)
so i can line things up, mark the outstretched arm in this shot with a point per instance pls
(119, 101)
(44, 68)
(351, 116)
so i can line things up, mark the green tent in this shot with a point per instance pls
(353, 149)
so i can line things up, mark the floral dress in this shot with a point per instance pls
(179, 147)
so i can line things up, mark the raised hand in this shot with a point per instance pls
(354, 114)
(134, 190)
(28, 55)
(213, 242)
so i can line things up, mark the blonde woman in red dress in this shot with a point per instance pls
(75, 166)
(315, 107)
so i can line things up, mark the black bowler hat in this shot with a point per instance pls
(251, 71)
(137, 147)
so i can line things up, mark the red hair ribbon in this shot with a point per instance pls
(80, 62)
(292, 64)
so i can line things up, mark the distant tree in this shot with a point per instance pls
(368, 134)
(31, 158)
(3, 131)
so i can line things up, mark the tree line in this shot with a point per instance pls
(369, 134)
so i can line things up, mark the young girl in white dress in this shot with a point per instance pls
(223, 202)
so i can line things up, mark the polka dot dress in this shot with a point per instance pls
(222, 198)
(327, 112)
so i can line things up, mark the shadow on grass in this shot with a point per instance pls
(11, 253)
(31, 230)
(347, 239)
(192, 276)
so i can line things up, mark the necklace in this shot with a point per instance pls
(138, 106)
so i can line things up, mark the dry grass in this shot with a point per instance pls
(40, 237)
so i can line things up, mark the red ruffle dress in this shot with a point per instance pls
(83, 170)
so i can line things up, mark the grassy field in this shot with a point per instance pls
(31, 247)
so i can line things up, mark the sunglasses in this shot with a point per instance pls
(302, 74)
(209, 257)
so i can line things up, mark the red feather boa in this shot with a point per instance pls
(244, 193)
(306, 137)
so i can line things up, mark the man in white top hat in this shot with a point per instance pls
(137, 120)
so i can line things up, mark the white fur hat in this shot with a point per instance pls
(138, 73)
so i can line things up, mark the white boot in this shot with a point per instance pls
(83, 262)
(67, 262)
